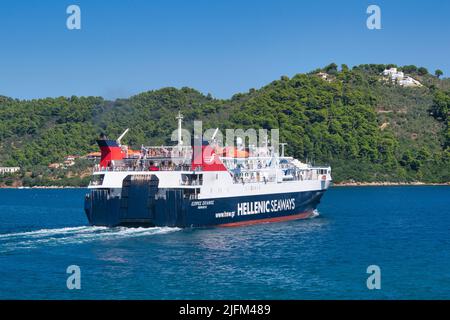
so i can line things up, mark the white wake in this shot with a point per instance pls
(315, 214)
(73, 235)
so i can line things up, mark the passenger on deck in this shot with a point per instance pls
(153, 167)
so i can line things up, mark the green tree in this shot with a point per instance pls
(409, 69)
(422, 71)
(332, 68)
(441, 105)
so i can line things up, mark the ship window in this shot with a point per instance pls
(97, 180)
(191, 193)
(192, 179)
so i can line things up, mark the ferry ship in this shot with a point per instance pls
(208, 185)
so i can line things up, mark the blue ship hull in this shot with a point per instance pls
(137, 206)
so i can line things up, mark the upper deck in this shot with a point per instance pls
(186, 166)
(242, 170)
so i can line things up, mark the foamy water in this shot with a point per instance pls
(76, 235)
(73, 235)
(315, 213)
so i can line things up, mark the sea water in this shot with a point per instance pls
(405, 231)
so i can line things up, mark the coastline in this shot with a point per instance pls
(338, 184)
(43, 187)
(388, 184)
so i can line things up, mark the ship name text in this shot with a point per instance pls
(257, 207)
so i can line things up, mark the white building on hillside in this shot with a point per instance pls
(393, 74)
(4, 170)
(409, 82)
(400, 78)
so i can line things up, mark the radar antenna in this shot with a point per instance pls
(180, 120)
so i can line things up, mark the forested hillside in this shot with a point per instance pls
(366, 128)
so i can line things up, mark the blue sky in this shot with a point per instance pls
(220, 47)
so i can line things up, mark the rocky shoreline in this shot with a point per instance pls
(338, 184)
(387, 184)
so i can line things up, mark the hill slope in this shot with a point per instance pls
(367, 129)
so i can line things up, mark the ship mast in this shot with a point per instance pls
(180, 120)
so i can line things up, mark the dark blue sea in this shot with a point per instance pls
(405, 231)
